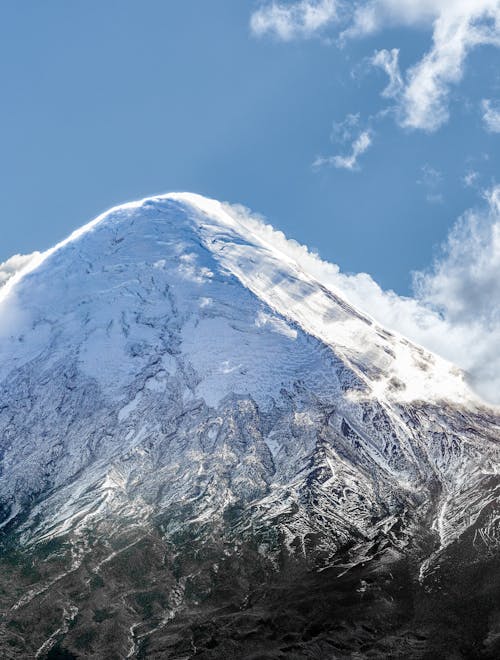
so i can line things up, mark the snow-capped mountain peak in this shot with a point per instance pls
(178, 376)
(276, 272)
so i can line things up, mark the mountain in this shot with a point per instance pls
(207, 452)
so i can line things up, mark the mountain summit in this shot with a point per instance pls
(207, 452)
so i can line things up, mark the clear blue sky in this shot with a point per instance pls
(104, 101)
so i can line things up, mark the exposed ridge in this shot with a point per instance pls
(253, 252)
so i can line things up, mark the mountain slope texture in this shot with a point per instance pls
(206, 452)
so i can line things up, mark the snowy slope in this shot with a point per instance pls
(169, 367)
(242, 246)
(176, 298)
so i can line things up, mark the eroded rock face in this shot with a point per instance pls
(205, 452)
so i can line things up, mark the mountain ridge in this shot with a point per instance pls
(170, 380)
(253, 230)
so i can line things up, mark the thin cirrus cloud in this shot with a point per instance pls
(422, 94)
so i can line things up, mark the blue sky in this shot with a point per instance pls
(107, 101)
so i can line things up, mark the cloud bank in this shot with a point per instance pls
(422, 93)
(455, 310)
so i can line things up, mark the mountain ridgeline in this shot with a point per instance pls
(206, 452)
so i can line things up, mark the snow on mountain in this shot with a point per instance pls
(177, 297)
(244, 247)
(172, 369)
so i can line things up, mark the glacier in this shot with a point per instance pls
(190, 417)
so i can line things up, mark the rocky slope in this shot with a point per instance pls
(206, 452)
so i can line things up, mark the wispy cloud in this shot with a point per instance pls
(348, 134)
(359, 146)
(457, 28)
(297, 20)
(15, 264)
(422, 92)
(388, 61)
(343, 131)
(491, 115)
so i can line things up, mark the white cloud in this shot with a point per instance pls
(457, 27)
(491, 115)
(15, 264)
(455, 310)
(11, 312)
(388, 61)
(462, 287)
(464, 283)
(350, 161)
(457, 31)
(291, 21)
(359, 146)
(375, 15)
